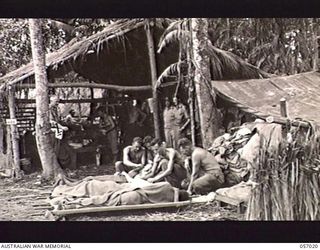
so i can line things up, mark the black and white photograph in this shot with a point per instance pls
(159, 119)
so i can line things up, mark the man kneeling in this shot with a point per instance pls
(206, 174)
(134, 158)
(167, 165)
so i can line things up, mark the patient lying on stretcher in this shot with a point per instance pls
(114, 191)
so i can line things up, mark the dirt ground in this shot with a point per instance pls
(26, 200)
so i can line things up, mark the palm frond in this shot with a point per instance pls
(172, 36)
(170, 71)
(226, 65)
(174, 25)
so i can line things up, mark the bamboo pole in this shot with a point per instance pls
(14, 133)
(153, 68)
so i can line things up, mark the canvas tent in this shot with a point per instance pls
(118, 56)
(261, 96)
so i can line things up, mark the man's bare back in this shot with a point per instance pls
(207, 161)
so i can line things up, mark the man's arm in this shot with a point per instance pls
(187, 166)
(171, 155)
(156, 161)
(126, 160)
(186, 116)
(196, 161)
(143, 158)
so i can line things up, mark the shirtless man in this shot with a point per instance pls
(167, 165)
(206, 174)
(134, 158)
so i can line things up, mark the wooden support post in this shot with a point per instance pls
(283, 107)
(79, 104)
(14, 132)
(153, 68)
(9, 148)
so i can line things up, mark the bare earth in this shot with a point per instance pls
(24, 200)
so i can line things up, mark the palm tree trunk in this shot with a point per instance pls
(50, 165)
(202, 80)
(153, 69)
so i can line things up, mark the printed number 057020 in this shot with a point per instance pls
(308, 245)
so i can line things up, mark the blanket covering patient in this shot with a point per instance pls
(106, 192)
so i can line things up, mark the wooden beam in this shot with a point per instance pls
(284, 121)
(98, 100)
(96, 85)
(90, 85)
(153, 69)
(86, 210)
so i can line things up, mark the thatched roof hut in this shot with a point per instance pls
(118, 55)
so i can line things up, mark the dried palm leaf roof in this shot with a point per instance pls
(262, 96)
(67, 55)
(119, 55)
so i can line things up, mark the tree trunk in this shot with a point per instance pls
(50, 165)
(1, 127)
(202, 79)
(315, 56)
(14, 134)
(153, 68)
(1, 139)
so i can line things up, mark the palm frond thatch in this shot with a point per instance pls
(291, 176)
(66, 55)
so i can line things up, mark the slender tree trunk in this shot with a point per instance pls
(50, 165)
(14, 134)
(153, 68)
(1, 139)
(315, 56)
(202, 79)
(190, 84)
(1, 128)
